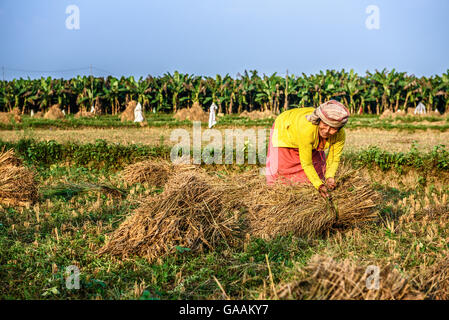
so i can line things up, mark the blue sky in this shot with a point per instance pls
(208, 37)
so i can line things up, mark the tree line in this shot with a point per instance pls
(372, 93)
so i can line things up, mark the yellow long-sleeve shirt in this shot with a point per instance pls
(293, 130)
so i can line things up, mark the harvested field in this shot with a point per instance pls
(165, 231)
(326, 279)
(201, 225)
(356, 139)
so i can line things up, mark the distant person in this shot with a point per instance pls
(297, 144)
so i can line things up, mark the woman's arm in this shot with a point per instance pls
(335, 151)
(305, 155)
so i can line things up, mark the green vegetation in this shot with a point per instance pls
(437, 159)
(372, 93)
(113, 156)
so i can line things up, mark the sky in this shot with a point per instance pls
(209, 37)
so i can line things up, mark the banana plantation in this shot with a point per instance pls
(372, 93)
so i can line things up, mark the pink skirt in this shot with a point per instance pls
(283, 164)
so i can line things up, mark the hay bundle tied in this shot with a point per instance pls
(5, 117)
(128, 114)
(17, 183)
(301, 211)
(194, 212)
(195, 113)
(54, 113)
(10, 118)
(153, 172)
(326, 279)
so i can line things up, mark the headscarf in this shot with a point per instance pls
(332, 113)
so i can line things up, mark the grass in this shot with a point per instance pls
(112, 156)
(39, 242)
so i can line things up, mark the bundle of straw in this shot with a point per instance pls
(9, 117)
(325, 278)
(192, 212)
(195, 113)
(17, 183)
(128, 114)
(300, 210)
(54, 113)
(153, 172)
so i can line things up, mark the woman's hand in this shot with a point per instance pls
(330, 183)
(323, 191)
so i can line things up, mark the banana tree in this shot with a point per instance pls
(112, 94)
(45, 94)
(442, 89)
(176, 87)
(267, 92)
(159, 96)
(139, 88)
(197, 87)
(211, 91)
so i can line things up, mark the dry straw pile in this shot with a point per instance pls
(84, 114)
(326, 279)
(38, 114)
(10, 117)
(128, 114)
(301, 211)
(54, 113)
(194, 212)
(195, 113)
(17, 183)
(153, 172)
